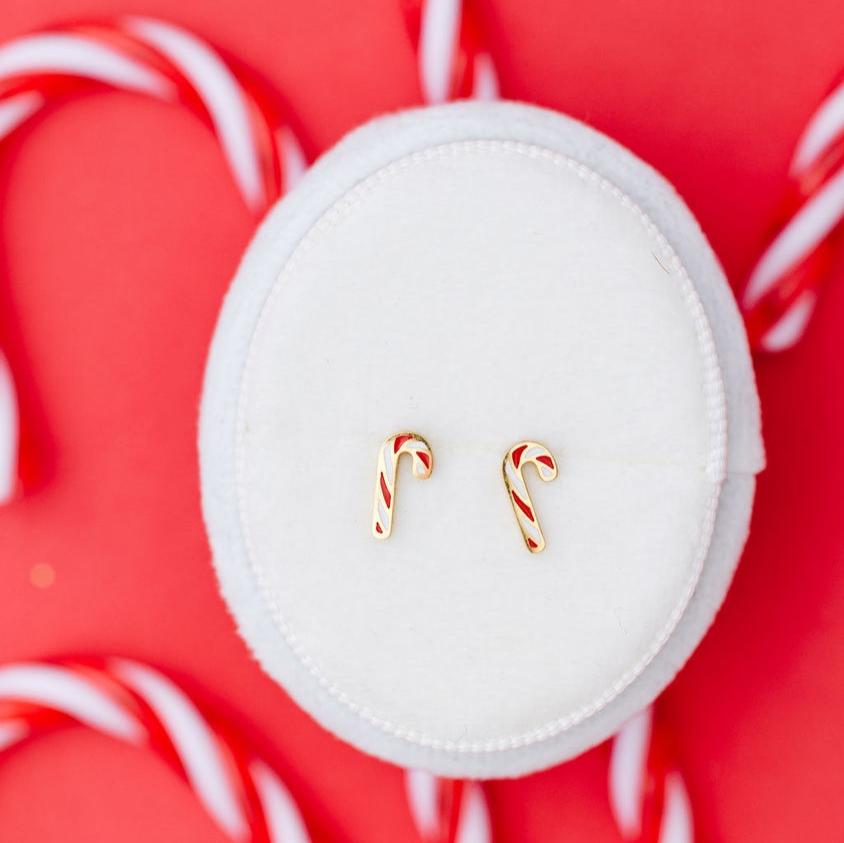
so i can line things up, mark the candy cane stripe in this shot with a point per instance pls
(17, 109)
(283, 819)
(437, 43)
(63, 690)
(74, 55)
(447, 810)
(292, 156)
(11, 733)
(485, 87)
(647, 794)
(791, 325)
(422, 797)
(822, 131)
(452, 59)
(523, 506)
(220, 92)
(385, 492)
(627, 773)
(677, 821)
(9, 433)
(194, 742)
(517, 482)
(475, 825)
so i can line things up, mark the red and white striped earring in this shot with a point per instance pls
(385, 480)
(517, 457)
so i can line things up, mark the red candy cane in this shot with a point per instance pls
(157, 59)
(452, 57)
(647, 793)
(136, 704)
(447, 810)
(783, 286)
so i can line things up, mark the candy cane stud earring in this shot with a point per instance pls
(422, 465)
(517, 457)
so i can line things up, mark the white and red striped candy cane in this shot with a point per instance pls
(384, 500)
(782, 288)
(451, 52)
(520, 455)
(648, 796)
(136, 704)
(150, 57)
(448, 810)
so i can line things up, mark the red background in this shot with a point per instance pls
(121, 229)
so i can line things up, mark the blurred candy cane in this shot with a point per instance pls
(451, 52)
(647, 794)
(134, 703)
(447, 810)
(422, 462)
(150, 57)
(783, 286)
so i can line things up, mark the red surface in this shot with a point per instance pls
(121, 229)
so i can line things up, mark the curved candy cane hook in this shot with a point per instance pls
(385, 481)
(517, 457)
(141, 706)
(166, 62)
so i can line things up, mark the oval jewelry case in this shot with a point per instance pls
(482, 275)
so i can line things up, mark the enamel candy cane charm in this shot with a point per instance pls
(422, 464)
(517, 457)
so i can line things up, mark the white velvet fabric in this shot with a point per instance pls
(479, 274)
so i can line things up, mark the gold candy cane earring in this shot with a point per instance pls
(517, 457)
(422, 465)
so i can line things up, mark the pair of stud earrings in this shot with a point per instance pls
(422, 464)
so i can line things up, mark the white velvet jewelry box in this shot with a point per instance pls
(480, 274)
